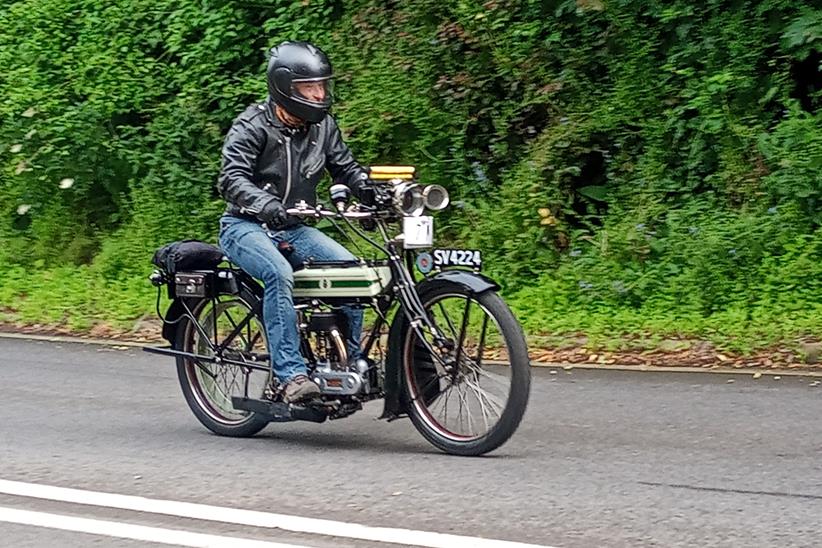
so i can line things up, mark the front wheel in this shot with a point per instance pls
(470, 399)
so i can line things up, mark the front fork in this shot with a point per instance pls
(426, 330)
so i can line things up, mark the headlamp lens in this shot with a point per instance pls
(436, 197)
(408, 199)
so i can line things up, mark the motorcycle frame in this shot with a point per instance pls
(402, 290)
(180, 308)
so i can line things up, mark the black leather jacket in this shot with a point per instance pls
(265, 160)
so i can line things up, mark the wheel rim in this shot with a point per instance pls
(466, 402)
(213, 385)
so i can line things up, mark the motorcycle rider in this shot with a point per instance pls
(273, 157)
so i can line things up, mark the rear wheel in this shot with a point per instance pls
(209, 387)
(470, 399)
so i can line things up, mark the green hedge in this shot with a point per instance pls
(627, 167)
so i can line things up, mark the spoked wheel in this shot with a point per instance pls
(470, 399)
(209, 387)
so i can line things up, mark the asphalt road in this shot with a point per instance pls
(601, 459)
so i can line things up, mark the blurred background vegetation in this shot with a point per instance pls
(630, 169)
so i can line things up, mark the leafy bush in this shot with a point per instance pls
(626, 167)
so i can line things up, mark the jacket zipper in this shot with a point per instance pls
(288, 167)
(315, 168)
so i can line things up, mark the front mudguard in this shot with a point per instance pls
(473, 283)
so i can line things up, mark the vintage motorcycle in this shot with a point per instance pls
(443, 349)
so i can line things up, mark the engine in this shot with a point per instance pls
(343, 383)
(326, 350)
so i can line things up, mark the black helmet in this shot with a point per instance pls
(293, 63)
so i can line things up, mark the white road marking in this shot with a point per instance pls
(253, 518)
(129, 531)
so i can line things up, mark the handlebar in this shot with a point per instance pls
(304, 210)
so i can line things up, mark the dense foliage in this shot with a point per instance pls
(626, 166)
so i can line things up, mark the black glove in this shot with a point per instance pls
(273, 214)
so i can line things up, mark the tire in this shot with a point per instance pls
(420, 370)
(211, 406)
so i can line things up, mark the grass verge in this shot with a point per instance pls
(77, 300)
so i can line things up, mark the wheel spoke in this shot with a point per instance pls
(244, 339)
(447, 395)
(481, 344)
(233, 383)
(491, 401)
(447, 320)
(215, 385)
(463, 328)
(257, 337)
(204, 368)
(481, 404)
(459, 409)
(498, 379)
(464, 403)
(428, 383)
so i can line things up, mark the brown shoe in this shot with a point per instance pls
(300, 388)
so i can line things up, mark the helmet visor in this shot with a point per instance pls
(320, 91)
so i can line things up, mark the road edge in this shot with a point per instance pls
(549, 365)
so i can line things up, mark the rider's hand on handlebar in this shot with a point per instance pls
(274, 214)
(340, 194)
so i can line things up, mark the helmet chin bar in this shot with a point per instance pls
(306, 111)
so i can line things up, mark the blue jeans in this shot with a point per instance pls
(254, 249)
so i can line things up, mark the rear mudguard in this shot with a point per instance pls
(472, 282)
(176, 310)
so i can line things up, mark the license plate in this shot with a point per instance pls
(457, 257)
